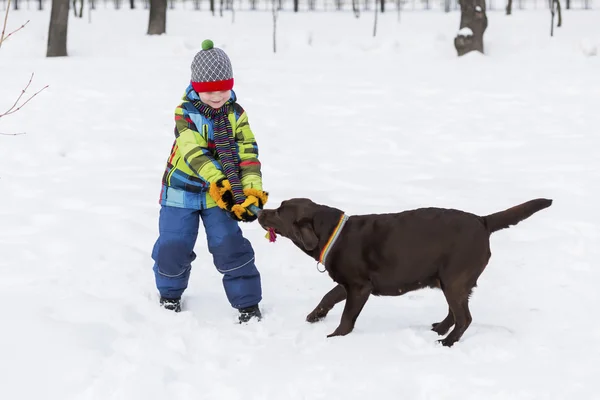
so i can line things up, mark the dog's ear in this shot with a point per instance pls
(305, 233)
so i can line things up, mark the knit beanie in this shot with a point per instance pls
(211, 69)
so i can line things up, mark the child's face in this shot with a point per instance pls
(215, 99)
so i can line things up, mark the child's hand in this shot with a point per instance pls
(221, 193)
(254, 197)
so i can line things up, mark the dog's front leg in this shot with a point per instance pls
(333, 297)
(355, 301)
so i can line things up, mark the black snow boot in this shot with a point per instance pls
(171, 304)
(246, 314)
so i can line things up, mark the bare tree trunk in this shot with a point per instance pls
(552, 3)
(552, 18)
(57, 33)
(447, 6)
(16, 3)
(382, 2)
(132, 4)
(274, 27)
(356, 8)
(375, 22)
(296, 5)
(212, 7)
(399, 7)
(158, 17)
(40, 5)
(80, 13)
(473, 23)
(568, 4)
(509, 7)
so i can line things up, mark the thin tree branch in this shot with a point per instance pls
(4, 39)
(16, 107)
(5, 21)
(12, 134)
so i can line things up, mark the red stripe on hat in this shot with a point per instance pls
(213, 86)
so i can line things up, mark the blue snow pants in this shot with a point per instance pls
(233, 255)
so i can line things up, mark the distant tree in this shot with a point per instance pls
(356, 8)
(80, 13)
(473, 23)
(132, 4)
(296, 5)
(158, 17)
(375, 22)
(509, 7)
(57, 32)
(275, 15)
(559, 24)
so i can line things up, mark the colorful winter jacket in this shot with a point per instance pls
(194, 163)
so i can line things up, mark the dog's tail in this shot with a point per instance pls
(514, 215)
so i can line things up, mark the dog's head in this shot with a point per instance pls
(302, 221)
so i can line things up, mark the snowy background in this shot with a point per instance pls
(364, 124)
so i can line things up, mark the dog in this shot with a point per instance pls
(393, 254)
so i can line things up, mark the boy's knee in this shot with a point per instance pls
(173, 256)
(232, 253)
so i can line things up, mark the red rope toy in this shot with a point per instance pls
(271, 235)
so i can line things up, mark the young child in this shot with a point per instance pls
(213, 174)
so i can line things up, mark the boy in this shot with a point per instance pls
(213, 174)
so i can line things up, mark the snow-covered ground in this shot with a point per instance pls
(364, 124)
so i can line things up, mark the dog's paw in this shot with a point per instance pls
(447, 342)
(316, 315)
(340, 331)
(439, 328)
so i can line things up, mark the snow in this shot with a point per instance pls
(364, 124)
(466, 31)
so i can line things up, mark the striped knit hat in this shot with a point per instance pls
(211, 69)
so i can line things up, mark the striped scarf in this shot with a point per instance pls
(225, 145)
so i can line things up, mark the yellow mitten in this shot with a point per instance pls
(254, 197)
(259, 195)
(221, 193)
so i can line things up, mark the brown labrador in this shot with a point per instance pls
(392, 254)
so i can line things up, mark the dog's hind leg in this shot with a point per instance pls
(441, 328)
(356, 298)
(458, 301)
(333, 297)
